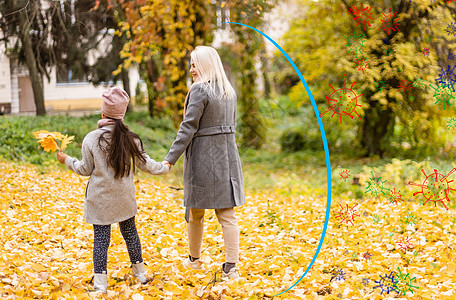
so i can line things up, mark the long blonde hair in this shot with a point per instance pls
(211, 72)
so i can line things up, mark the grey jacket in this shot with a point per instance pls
(108, 200)
(212, 167)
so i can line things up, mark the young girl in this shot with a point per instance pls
(109, 156)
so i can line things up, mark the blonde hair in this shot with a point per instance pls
(210, 71)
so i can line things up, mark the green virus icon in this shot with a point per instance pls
(380, 85)
(419, 83)
(451, 123)
(375, 186)
(404, 282)
(443, 94)
(410, 219)
(375, 219)
(355, 43)
(435, 187)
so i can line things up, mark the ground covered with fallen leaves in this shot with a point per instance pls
(373, 249)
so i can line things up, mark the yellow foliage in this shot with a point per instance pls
(47, 140)
(46, 248)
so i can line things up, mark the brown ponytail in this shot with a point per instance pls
(121, 149)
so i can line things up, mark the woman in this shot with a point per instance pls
(212, 168)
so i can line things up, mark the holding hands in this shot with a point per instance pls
(168, 164)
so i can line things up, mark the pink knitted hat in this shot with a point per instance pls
(115, 102)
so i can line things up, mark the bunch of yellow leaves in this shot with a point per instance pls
(48, 139)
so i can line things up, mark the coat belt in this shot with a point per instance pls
(220, 129)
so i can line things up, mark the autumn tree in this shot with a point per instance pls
(25, 32)
(397, 52)
(247, 49)
(160, 36)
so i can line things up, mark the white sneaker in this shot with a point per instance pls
(100, 282)
(139, 272)
(232, 274)
(197, 264)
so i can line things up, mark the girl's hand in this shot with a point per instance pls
(61, 157)
(168, 164)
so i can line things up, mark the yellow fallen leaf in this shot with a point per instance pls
(65, 141)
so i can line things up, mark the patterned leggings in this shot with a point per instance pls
(102, 238)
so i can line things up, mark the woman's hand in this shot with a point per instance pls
(168, 164)
(61, 157)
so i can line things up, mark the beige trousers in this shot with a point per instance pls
(227, 219)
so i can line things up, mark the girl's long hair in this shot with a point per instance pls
(121, 149)
(211, 72)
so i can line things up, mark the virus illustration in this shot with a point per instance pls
(376, 186)
(367, 255)
(419, 83)
(365, 282)
(344, 174)
(405, 85)
(362, 15)
(337, 275)
(395, 197)
(410, 219)
(355, 43)
(435, 187)
(365, 213)
(389, 22)
(443, 94)
(425, 52)
(354, 255)
(451, 123)
(404, 243)
(447, 77)
(345, 101)
(404, 282)
(387, 283)
(451, 29)
(388, 51)
(451, 56)
(347, 214)
(362, 65)
(376, 219)
(379, 85)
(339, 295)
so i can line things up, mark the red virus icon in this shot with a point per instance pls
(347, 214)
(395, 197)
(404, 243)
(362, 65)
(435, 187)
(389, 22)
(362, 15)
(344, 101)
(344, 174)
(426, 52)
(405, 85)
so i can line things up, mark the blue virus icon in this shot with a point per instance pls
(337, 275)
(365, 282)
(451, 29)
(447, 77)
(387, 283)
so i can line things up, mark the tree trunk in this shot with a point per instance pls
(152, 77)
(126, 86)
(35, 77)
(375, 127)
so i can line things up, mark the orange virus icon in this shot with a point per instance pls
(435, 187)
(343, 101)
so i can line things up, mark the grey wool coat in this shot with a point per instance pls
(212, 167)
(108, 200)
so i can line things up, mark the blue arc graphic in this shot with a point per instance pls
(325, 146)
